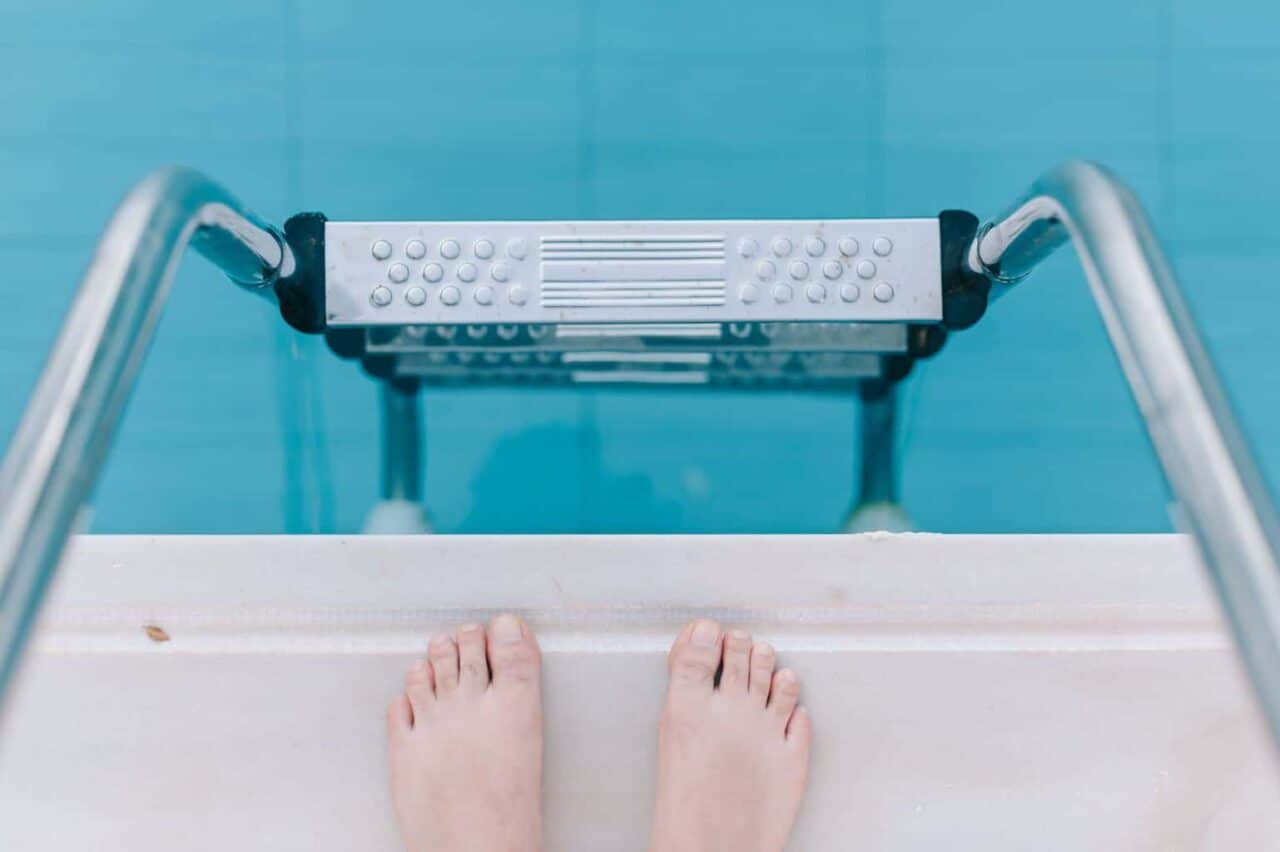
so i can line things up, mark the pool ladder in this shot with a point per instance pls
(59, 446)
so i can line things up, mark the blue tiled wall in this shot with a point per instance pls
(659, 109)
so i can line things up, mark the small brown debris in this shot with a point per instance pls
(156, 633)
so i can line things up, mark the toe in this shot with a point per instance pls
(800, 728)
(737, 662)
(513, 653)
(695, 659)
(418, 688)
(443, 654)
(783, 695)
(762, 660)
(681, 640)
(473, 671)
(399, 716)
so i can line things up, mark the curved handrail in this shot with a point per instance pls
(1222, 498)
(59, 446)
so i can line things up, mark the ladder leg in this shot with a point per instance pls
(400, 510)
(877, 506)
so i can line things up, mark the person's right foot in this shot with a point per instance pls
(732, 758)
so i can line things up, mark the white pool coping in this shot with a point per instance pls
(969, 692)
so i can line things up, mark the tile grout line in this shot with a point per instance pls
(294, 502)
(1167, 165)
(317, 504)
(588, 423)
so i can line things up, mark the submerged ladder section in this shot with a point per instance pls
(842, 306)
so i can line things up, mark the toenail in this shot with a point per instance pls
(469, 628)
(740, 635)
(440, 642)
(705, 633)
(787, 676)
(763, 649)
(506, 629)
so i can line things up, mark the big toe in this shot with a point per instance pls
(514, 656)
(696, 656)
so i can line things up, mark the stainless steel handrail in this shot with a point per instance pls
(1222, 498)
(59, 446)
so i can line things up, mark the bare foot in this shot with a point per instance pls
(732, 759)
(466, 743)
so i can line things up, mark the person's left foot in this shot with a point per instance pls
(466, 743)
